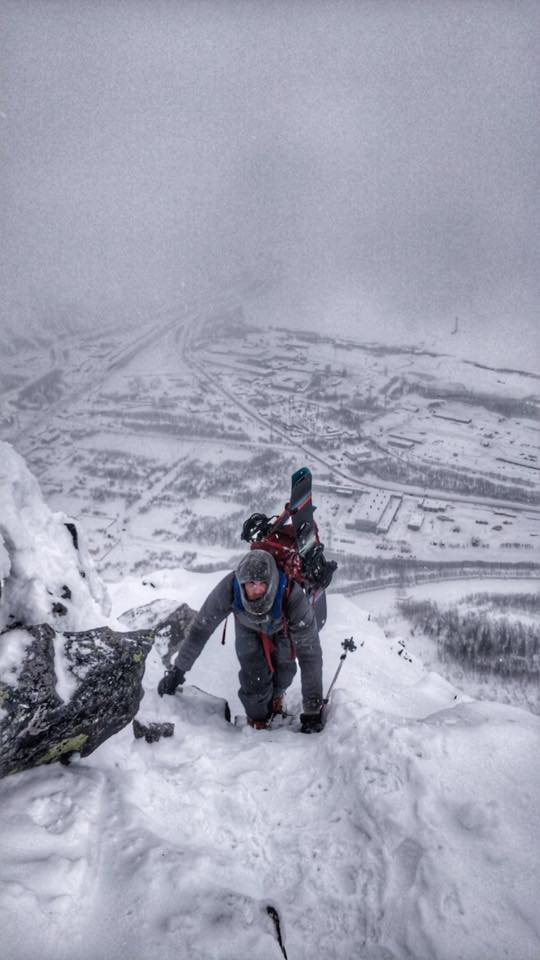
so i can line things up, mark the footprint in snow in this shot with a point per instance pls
(476, 818)
(407, 857)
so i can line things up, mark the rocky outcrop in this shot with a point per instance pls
(62, 693)
(148, 616)
(168, 626)
(170, 632)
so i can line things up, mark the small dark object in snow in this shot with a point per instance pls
(274, 915)
(312, 723)
(73, 533)
(66, 593)
(59, 609)
(152, 732)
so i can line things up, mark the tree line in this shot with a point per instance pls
(484, 643)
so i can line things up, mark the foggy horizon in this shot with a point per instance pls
(377, 161)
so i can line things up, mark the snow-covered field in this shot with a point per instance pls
(408, 829)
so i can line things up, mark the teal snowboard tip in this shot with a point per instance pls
(300, 474)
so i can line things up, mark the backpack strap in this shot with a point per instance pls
(237, 606)
(268, 649)
(238, 603)
(281, 594)
(278, 612)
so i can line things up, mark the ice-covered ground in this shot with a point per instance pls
(409, 828)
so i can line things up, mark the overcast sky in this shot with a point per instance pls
(382, 156)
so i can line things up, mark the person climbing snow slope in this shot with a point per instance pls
(275, 627)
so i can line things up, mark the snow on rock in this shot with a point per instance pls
(47, 574)
(12, 654)
(148, 616)
(408, 828)
(172, 586)
(65, 693)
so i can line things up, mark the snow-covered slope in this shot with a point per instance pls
(407, 829)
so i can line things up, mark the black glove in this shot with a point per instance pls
(312, 722)
(172, 679)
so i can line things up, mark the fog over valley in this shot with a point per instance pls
(372, 164)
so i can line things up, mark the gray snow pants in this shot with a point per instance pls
(258, 685)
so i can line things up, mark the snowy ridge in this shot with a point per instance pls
(46, 579)
(408, 828)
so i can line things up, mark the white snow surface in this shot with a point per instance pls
(38, 559)
(407, 830)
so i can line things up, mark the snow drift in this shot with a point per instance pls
(46, 572)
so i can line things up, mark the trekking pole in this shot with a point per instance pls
(349, 646)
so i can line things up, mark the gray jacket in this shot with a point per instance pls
(301, 625)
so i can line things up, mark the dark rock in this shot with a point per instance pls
(73, 532)
(170, 632)
(103, 671)
(66, 593)
(59, 609)
(152, 732)
(147, 616)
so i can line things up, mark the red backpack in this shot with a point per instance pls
(310, 569)
(277, 535)
(281, 543)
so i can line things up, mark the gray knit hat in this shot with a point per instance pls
(258, 565)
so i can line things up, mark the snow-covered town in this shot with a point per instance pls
(400, 470)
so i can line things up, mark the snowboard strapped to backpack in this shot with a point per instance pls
(293, 540)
